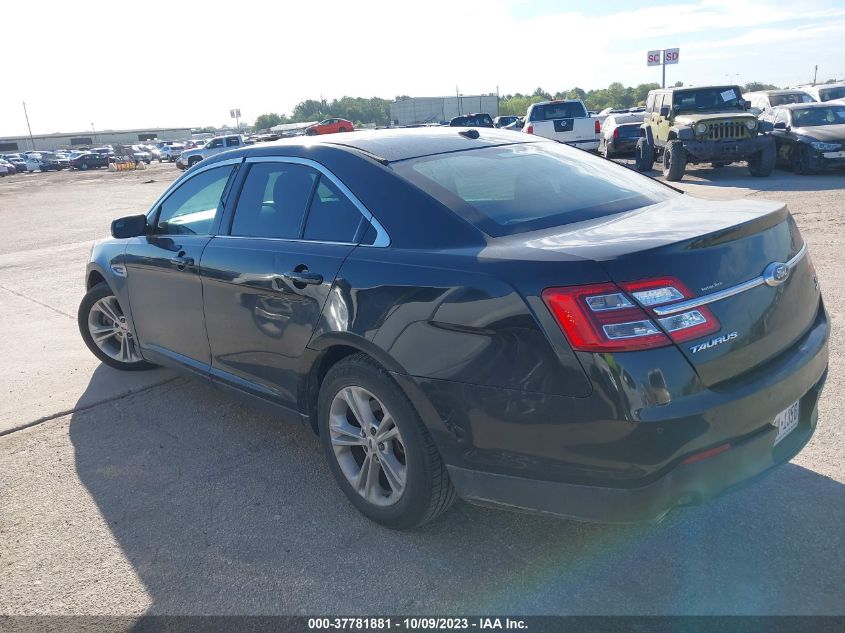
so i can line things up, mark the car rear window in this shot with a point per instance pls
(629, 130)
(551, 111)
(517, 188)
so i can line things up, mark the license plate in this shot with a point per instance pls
(786, 421)
(834, 154)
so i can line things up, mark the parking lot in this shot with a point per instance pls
(149, 493)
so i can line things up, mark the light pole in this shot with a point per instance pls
(31, 140)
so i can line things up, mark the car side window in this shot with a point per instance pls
(216, 143)
(191, 208)
(273, 200)
(332, 217)
(649, 103)
(233, 141)
(781, 117)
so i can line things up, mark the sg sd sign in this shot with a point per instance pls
(671, 56)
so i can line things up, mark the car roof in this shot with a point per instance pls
(814, 104)
(785, 91)
(391, 145)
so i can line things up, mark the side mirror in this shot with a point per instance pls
(130, 226)
(746, 104)
(780, 125)
(664, 111)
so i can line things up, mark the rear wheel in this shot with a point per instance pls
(377, 447)
(674, 160)
(799, 159)
(644, 155)
(762, 164)
(105, 331)
(342, 129)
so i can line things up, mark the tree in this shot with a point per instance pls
(266, 121)
(754, 86)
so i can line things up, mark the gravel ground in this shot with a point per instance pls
(133, 494)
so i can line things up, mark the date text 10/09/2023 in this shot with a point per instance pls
(416, 624)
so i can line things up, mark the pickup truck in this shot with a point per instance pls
(215, 145)
(566, 121)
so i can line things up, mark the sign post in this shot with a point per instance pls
(663, 57)
(236, 114)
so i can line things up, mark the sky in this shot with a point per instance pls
(118, 64)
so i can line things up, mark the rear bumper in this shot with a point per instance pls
(686, 484)
(727, 149)
(618, 454)
(589, 145)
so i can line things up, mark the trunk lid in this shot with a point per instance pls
(710, 247)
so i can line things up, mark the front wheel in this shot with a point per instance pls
(644, 155)
(799, 159)
(106, 332)
(193, 161)
(674, 160)
(377, 447)
(762, 164)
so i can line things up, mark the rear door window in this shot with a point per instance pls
(273, 200)
(332, 216)
(518, 188)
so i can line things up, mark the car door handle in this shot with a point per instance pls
(182, 261)
(304, 278)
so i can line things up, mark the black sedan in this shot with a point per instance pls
(810, 137)
(89, 161)
(477, 313)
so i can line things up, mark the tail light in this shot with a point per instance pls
(598, 126)
(529, 129)
(615, 133)
(612, 318)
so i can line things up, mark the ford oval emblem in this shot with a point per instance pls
(776, 273)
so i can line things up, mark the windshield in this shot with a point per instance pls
(551, 111)
(525, 187)
(708, 99)
(828, 94)
(792, 97)
(809, 117)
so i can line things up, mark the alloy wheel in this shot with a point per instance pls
(110, 332)
(368, 446)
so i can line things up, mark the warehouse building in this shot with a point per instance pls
(438, 109)
(46, 142)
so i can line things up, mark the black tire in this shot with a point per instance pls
(428, 492)
(193, 161)
(159, 159)
(762, 164)
(799, 159)
(674, 161)
(644, 155)
(341, 129)
(101, 291)
(310, 133)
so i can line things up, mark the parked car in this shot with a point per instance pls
(141, 154)
(505, 120)
(826, 92)
(170, 152)
(330, 126)
(707, 124)
(479, 119)
(89, 160)
(810, 137)
(6, 168)
(619, 134)
(566, 121)
(516, 126)
(765, 99)
(45, 161)
(191, 157)
(492, 316)
(17, 161)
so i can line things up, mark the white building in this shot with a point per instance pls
(438, 109)
(46, 142)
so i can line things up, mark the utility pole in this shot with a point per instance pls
(458, 97)
(31, 140)
(815, 74)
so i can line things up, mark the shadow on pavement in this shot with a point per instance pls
(221, 509)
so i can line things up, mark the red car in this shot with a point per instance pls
(330, 126)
